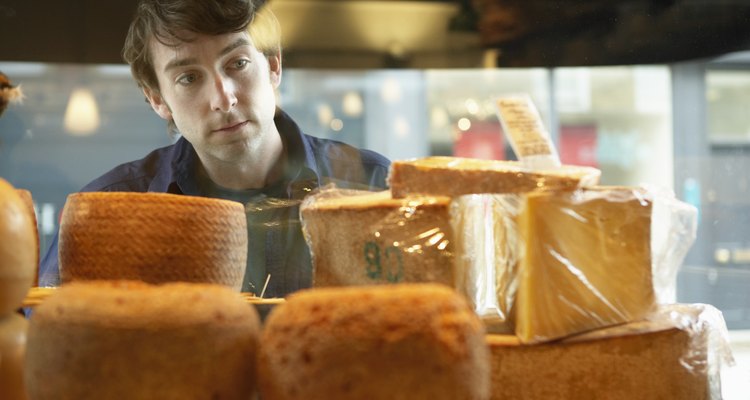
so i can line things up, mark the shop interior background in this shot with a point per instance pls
(683, 125)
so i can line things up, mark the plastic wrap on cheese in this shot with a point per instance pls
(562, 263)
(675, 353)
(364, 238)
(486, 246)
(709, 348)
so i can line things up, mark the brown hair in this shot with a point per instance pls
(168, 21)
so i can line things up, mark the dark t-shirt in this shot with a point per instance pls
(276, 246)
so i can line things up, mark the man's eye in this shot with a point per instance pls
(186, 79)
(241, 63)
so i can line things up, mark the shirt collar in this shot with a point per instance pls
(301, 175)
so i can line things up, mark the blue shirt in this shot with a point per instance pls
(277, 249)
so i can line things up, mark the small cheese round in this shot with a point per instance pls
(127, 339)
(13, 329)
(18, 249)
(406, 341)
(152, 237)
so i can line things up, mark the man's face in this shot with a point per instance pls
(220, 92)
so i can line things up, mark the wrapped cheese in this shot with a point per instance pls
(364, 238)
(455, 176)
(676, 353)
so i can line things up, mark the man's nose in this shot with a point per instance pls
(223, 97)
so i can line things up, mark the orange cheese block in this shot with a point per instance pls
(409, 341)
(19, 254)
(365, 238)
(455, 176)
(152, 237)
(640, 360)
(109, 340)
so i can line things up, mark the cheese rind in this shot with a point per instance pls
(18, 249)
(410, 341)
(152, 237)
(455, 176)
(585, 262)
(365, 238)
(100, 340)
(13, 329)
(640, 360)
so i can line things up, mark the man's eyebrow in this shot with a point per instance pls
(237, 43)
(181, 62)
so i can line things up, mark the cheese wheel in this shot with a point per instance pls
(13, 329)
(18, 249)
(409, 341)
(456, 176)
(106, 340)
(366, 238)
(152, 237)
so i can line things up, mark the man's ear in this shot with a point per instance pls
(274, 65)
(157, 103)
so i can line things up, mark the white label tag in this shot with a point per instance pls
(528, 137)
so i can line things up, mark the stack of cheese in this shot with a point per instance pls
(542, 255)
(149, 304)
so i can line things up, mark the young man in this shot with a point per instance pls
(212, 75)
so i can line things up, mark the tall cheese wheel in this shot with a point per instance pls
(456, 176)
(28, 199)
(18, 249)
(152, 237)
(409, 341)
(110, 340)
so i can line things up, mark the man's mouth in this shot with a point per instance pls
(231, 126)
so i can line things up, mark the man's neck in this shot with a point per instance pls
(261, 167)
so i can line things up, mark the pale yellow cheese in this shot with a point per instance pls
(641, 360)
(585, 262)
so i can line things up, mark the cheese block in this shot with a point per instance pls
(109, 339)
(585, 261)
(152, 237)
(18, 249)
(455, 176)
(410, 341)
(13, 329)
(640, 360)
(363, 238)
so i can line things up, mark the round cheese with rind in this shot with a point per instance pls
(18, 249)
(125, 339)
(405, 341)
(152, 237)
